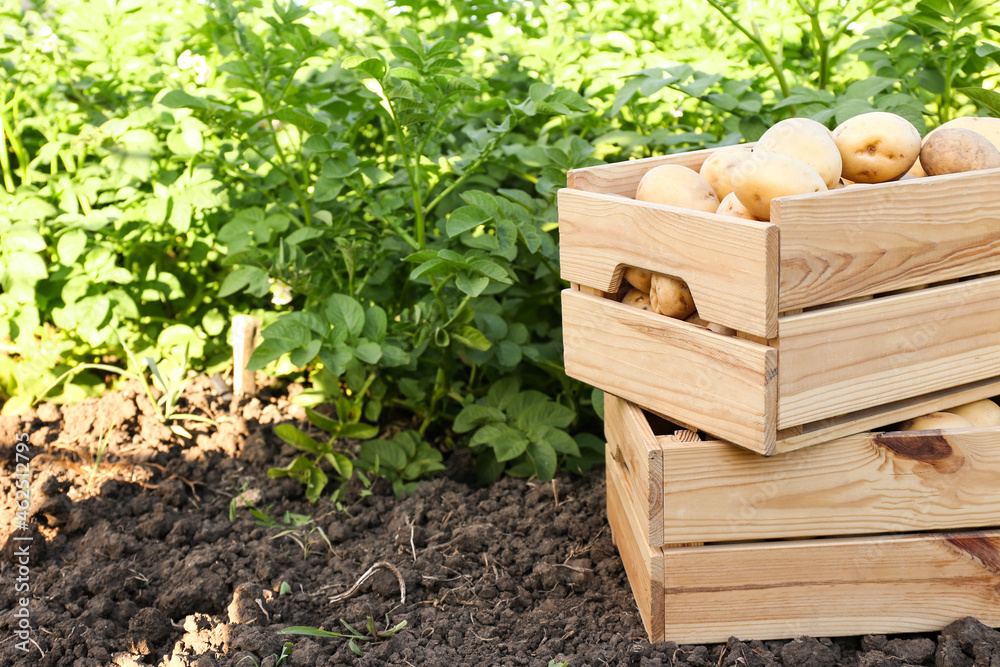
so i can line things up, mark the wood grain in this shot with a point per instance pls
(721, 384)
(622, 178)
(246, 337)
(729, 264)
(877, 238)
(860, 485)
(882, 415)
(643, 564)
(841, 360)
(634, 451)
(830, 587)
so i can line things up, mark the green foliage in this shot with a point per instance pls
(307, 467)
(394, 193)
(401, 460)
(378, 184)
(988, 99)
(170, 387)
(522, 432)
(108, 216)
(934, 49)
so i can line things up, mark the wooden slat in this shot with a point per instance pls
(634, 451)
(721, 384)
(729, 264)
(622, 178)
(860, 485)
(643, 564)
(883, 237)
(830, 587)
(882, 415)
(841, 360)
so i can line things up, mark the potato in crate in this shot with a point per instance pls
(846, 304)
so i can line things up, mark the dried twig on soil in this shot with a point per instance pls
(574, 552)
(368, 575)
(413, 549)
(260, 604)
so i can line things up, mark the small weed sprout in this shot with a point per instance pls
(166, 406)
(372, 634)
(297, 527)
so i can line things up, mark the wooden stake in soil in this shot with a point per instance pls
(246, 336)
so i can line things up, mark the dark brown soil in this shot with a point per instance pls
(135, 560)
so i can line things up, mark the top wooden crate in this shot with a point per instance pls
(799, 373)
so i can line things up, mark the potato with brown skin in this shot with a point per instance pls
(637, 299)
(952, 150)
(718, 167)
(671, 297)
(731, 206)
(934, 421)
(695, 319)
(980, 413)
(765, 176)
(638, 278)
(988, 127)
(876, 147)
(807, 140)
(677, 186)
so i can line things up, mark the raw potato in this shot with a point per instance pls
(934, 421)
(730, 205)
(677, 186)
(980, 413)
(988, 127)
(717, 328)
(718, 168)
(637, 299)
(671, 297)
(764, 176)
(952, 150)
(695, 318)
(807, 140)
(721, 329)
(638, 278)
(877, 146)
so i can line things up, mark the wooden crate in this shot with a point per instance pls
(873, 533)
(791, 378)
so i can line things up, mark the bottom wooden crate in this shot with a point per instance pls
(822, 587)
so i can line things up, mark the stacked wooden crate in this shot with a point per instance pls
(855, 309)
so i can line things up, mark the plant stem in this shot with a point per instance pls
(8, 178)
(458, 311)
(413, 174)
(261, 89)
(758, 41)
(467, 173)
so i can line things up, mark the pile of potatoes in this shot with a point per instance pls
(665, 295)
(977, 413)
(799, 155)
